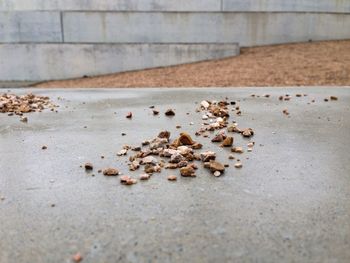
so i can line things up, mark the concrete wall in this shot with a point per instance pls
(50, 31)
(30, 62)
(327, 6)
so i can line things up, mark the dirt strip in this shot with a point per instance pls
(303, 64)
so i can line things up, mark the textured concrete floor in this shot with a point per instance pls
(289, 203)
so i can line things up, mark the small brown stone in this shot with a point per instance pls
(285, 112)
(248, 132)
(129, 115)
(238, 165)
(77, 257)
(216, 166)
(207, 156)
(227, 142)
(187, 171)
(185, 139)
(164, 134)
(155, 112)
(145, 177)
(110, 172)
(24, 119)
(218, 138)
(172, 177)
(44, 147)
(89, 166)
(127, 180)
(237, 150)
(170, 112)
(334, 98)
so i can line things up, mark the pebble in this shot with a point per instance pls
(169, 112)
(238, 165)
(237, 150)
(216, 166)
(145, 177)
(217, 174)
(77, 257)
(44, 147)
(227, 142)
(205, 117)
(129, 115)
(231, 157)
(187, 171)
(172, 177)
(110, 172)
(207, 156)
(89, 166)
(205, 104)
(23, 119)
(127, 180)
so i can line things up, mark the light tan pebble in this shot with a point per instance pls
(238, 165)
(231, 157)
(217, 174)
(237, 150)
(145, 177)
(249, 149)
(110, 172)
(172, 177)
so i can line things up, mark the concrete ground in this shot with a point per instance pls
(289, 202)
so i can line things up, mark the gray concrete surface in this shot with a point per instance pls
(31, 62)
(289, 203)
(247, 29)
(328, 6)
(32, 26)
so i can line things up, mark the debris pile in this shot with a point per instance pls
(183, 153)
(19, 105)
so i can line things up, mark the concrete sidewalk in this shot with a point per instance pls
(289, 202)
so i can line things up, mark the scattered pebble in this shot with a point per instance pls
(127, 180)
(129, 115)
(227, 142)
(334, 98)
(145, 177)
(172, 177)
(44, 147)
(170, 112)
(110, 172)
(217, 174)
(88, 166)
(77, 257)
(237, 150)
(238, 165)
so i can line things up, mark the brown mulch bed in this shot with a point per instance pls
(302, 64)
